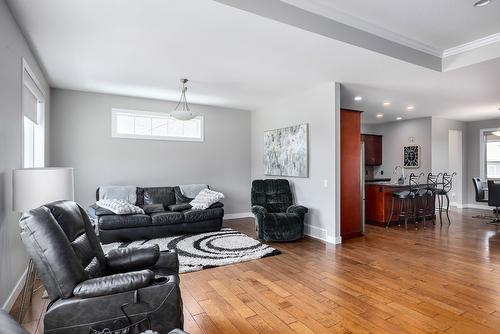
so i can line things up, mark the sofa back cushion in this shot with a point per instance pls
(275, 195)
(159, 195)
(60, 240)
(138, 195)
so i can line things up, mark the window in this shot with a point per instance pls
(33, 122)
(154, 125)
(492, 155)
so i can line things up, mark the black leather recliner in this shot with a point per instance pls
(276, 217)
(88, 288)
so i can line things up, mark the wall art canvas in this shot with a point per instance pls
(286, 151)
(411, 156)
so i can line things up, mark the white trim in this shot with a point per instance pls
(315, 232)
(466, 47)
(114, 134)
(477, 206)
(358, 23)
(7, 306)
(321, 234)
(237, 215)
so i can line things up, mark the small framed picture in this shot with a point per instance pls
(411, 156)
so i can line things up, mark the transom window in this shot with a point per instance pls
(137, 124)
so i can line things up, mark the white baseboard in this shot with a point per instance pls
(477, 206)
(238, 215)
(9, 303)
(320, 234)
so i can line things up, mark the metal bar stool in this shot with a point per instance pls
(405, 205)
(442, 194)
(423, 201)
(427, 198)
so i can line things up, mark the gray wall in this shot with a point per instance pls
(473, 155)
(13, 46)
(315, 106)
(440, 153)
(81, 138)
(396, 136)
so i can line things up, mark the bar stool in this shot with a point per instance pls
(420, 200)
(442, 193)
(426, 196)
(405, 204)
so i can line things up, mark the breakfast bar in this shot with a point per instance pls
(378, 201)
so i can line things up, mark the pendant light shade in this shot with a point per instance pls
(181, 111)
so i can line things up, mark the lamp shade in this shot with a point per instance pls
(33, 187)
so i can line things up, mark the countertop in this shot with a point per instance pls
(378, 180)
(388, 184)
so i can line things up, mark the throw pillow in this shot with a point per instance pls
(119, 207)
(205, 198)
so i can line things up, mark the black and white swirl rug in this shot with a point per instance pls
(208, 250)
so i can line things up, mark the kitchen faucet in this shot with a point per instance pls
(401, 179)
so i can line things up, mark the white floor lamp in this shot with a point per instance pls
(33, 187)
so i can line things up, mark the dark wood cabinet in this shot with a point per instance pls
(373, 149)
(350, 178)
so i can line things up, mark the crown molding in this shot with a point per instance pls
(334, 14)
(350, 20)
(471, 45)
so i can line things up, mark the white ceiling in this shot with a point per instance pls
(439, 25)
(233, 58)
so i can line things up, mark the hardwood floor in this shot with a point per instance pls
(442, 279)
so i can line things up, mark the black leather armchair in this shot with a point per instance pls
(88, 288)
(277, 219)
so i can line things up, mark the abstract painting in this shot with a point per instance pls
(285, 151)
(411, 156)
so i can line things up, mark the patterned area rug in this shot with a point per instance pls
(208, 250)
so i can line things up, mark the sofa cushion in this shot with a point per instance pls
(159, 195)
(191, 216)
(153, 208)
(167, 218)
(179, 207)
(112, 222)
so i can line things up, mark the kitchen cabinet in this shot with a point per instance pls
(373, 149)
(350, 170)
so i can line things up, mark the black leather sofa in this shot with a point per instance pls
(277, 218)
(167, 213)
(87, 289)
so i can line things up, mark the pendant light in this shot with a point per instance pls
(181, 111)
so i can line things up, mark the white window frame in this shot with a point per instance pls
(34, 86)
(482, 154)
(114, 134)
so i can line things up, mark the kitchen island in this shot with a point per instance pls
(378, 200)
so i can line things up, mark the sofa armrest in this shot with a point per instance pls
(132, 258)
(298, 209)
(259, 210)
(117, 283)
(216, 205)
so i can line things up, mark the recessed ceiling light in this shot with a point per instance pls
(358, 98)
(482, 3)
(387, 103)
(410, 108)
(399, 118)
(379, 115)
